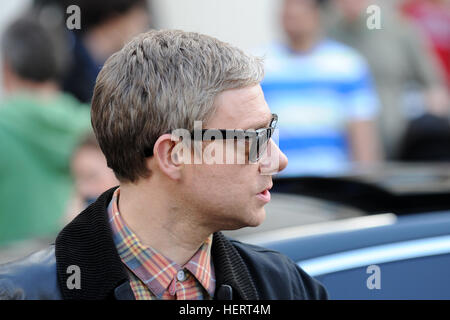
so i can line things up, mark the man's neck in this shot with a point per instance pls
(304, 43)
(159, 222)
(42, 90)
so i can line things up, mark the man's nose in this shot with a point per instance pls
(273, 160)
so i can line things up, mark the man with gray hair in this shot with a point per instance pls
(157, 235)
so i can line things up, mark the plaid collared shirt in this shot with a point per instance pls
(153, 276)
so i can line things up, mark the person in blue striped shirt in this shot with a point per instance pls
(323, 94)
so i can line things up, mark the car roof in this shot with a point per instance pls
(402, 188)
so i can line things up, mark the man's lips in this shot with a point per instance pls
(265, 194)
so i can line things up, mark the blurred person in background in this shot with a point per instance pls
(427, 138)
(433, 18)
(39, 128)
(106, 25)
(91, 175)
(323, 91)
(406, 74)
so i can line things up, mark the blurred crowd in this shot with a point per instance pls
(353, 84)
(350, 90)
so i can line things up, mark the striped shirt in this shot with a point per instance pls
(316, 95)
(154, 276)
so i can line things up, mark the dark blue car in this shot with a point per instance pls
(390, 257)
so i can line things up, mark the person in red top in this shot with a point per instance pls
(433, 18)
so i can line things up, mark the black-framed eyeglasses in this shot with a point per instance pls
(258, 138)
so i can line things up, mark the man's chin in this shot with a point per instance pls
(254, 219)
(258, 218)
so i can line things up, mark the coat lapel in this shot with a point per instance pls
(231, 270)
(87, 243)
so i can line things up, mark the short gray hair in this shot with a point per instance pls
(161, 81)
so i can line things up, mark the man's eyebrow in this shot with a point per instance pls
(261, 124)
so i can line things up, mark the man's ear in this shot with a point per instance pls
(166, 156)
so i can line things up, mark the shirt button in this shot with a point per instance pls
(181, 276)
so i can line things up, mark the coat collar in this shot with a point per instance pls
(87, 242)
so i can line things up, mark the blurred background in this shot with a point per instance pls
(361, 89)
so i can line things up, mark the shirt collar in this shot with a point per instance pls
(157, 272)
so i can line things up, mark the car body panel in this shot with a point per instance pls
(412, 255)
